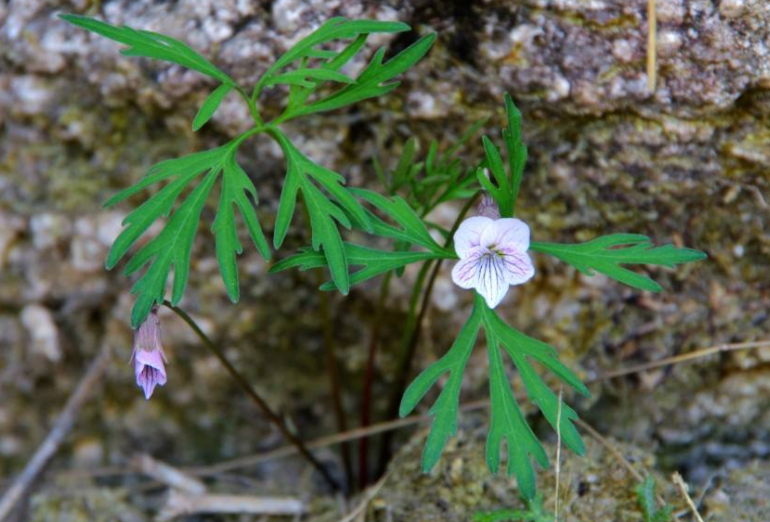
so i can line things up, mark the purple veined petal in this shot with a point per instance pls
(468, 235)
(506, 233)
(518, 266)
(465, 272)
(150, 370)
(492, 279)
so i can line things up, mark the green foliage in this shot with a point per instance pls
(607, 254)
(534, 513)
(410, 230)
(328, 202)
(504, 186)
(445, 409)
(377, 79)
(302, 176)
(171, 248)
(507, 421)
(645, 494)
(151, 45)
(373, 261)
(438, 178)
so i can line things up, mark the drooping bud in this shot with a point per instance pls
(148, 357)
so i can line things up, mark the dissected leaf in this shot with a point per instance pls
(150, 45)
(171, 248)
(373, 261)
(185, 169)
(444, 410)
(236, 189)
(608, 254)
(504, 186)
(301, 176)
(374, 81)
(413, 229)
(507, 421)
(333, 29)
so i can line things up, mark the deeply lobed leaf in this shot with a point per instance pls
(302, 176)
(504, 186)
(374, 262)
(171, 248)
(507, 421)
(608, 254)
(375, 80)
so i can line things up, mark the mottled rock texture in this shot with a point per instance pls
(687, 163)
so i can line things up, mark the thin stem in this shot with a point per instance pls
(337, 438)
(366, 401)
(415, 329)
(253, 110)
(249, 390)
(333, 371)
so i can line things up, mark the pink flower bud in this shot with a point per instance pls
(148, 356)
(488, 207)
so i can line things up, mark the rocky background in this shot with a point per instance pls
(687, 163)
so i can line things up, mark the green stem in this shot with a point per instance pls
(253, 110)
(413, 331)
(249, 390)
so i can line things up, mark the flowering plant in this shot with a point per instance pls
(492, 250)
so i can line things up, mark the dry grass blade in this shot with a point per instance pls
(180, 504)
(168, 475)
(652, 47)
(56, 436)
(678, 359)
(679, 482)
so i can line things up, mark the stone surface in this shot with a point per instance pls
(686, 164)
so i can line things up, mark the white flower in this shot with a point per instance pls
(493, 256)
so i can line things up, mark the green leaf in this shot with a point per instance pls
(374, 81)
(507, 421)
(413, 229)
(332, 29)
(444, 410)
(236, 189)
(300, 77)
(324, 214)
(309, 48)
(210, 106)
(535, 512)
(171, 248)
(150, 45)
(608, 254)
(645, 494)
(504, 186)
(139, 220)
(374, 262)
